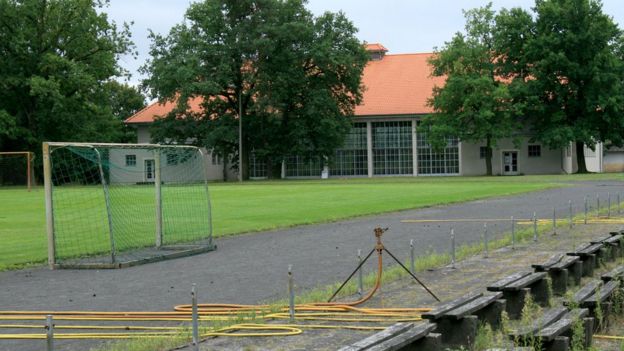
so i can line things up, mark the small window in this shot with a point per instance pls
(483, 152)
(216, 159)
(535, 150)
(130, 160)
(172, 159)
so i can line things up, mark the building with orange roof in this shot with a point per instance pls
(385, 138)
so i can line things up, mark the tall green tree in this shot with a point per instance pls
(292, 78)
(57, 58)
(123, 101)
(567, 67)
(473, 104)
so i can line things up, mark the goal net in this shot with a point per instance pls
(16, 169)
(116, 205)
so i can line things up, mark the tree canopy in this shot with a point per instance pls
(474, 104)
(58, 59)
(567, 72)
(293, 76)
(554, 75)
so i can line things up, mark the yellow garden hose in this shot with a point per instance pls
(322, 311)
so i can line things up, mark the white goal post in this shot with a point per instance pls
(115, 205)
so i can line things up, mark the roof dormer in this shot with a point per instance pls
(376, 51)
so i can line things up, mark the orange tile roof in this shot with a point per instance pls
(157, 109)
(395, 85)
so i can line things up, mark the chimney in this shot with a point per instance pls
(376, 51)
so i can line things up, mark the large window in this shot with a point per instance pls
(444, 161)
(352, 158)
(392, 148)
(299, 166)
(257, 167)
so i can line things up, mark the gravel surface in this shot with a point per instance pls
(252, 268)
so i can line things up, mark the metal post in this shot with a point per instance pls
(513, 233)
(585, 220)
(195, 319)
(534, 227)
(485, 240)
(609, 203)
(452, 248)
(158, 193)
(570, 212)
(111, 235)
(47, 181)
(618, 201)
(291, 295)
(360, 274)
(554, 221)
(49, 332)
(597, 205)
(412, 264)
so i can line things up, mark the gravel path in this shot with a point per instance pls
(252, 268)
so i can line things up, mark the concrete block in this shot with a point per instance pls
(561, 343)
(559, 281)
(589, 263)
(575, 273)
(515, 302)
(540, 292)
(457, 333)
(492, 314)
(431, 342)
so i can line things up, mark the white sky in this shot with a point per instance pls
(402, 26)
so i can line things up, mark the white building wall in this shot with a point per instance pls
(550, 161)
(214, 165)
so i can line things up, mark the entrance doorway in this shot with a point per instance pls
(510, 162)
(149, 170)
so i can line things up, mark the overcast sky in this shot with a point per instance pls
(402, 26)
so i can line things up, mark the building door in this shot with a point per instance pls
(149, 170)
(510, 162)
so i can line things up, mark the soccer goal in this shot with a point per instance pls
(118, 205)
(16, 169)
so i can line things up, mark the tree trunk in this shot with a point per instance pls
(243, 162)
(488, 156)
(225, 167)
(580, 157)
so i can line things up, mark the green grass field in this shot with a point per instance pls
(254, 206)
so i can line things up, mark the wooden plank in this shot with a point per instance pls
(551, 261)
(499, 285)
(399, 342)
(616, 239)
(525, 282)
(440, 310)
(566, 262)
(377, 338)
(600, 239)
(586, 291)
(562, 325)
(616, 273)
(602, 294)
(541, 322)
(580, 248)
(473, 306)
(592, 249)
